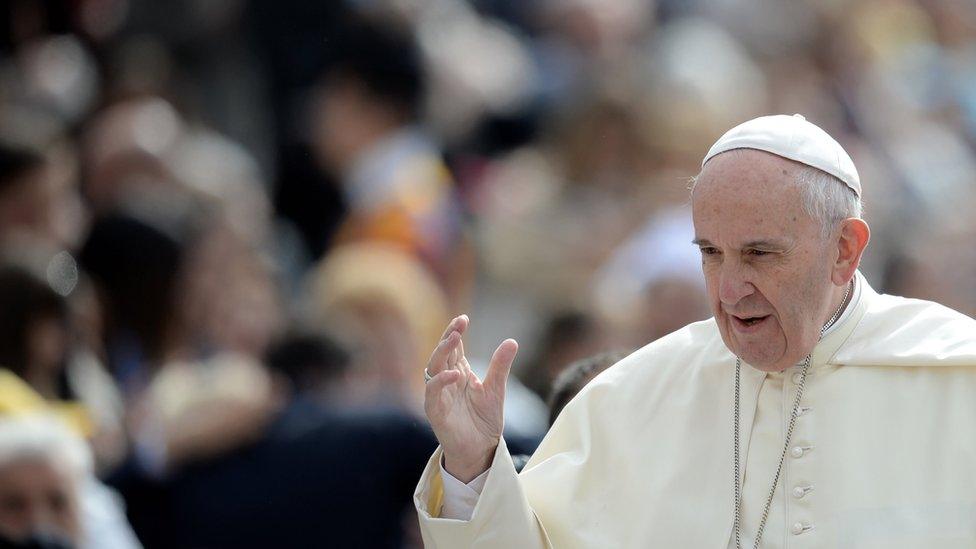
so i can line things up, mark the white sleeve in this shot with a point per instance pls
(460, 498)
(501, 516)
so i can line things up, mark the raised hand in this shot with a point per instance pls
(466, 412)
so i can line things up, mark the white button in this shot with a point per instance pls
(800, 491)
(803, 410)
(796, 451)
(796, 378)
(798, 528)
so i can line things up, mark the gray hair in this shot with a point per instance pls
(826, 199)
(42, 437)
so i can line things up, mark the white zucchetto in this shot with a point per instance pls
(795, 138)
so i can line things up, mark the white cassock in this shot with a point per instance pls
(883, 453)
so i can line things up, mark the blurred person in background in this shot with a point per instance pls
(367, 129)
(312, 363)
(575, 376)
(549, 213)
(651, 284)
(944, 269)
(38, 195)
(135, 261)
(191, 393)
(320, 462)
(42, 347)
(568, 383)
(49, 498)
(36, 335)
(567, 337)
(386, 305)
(125, 148)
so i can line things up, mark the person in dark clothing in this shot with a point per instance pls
(320, 477)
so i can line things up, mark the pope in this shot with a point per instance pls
(809, 411)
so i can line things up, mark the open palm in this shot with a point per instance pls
(466, 412)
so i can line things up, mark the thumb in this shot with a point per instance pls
(500, 366)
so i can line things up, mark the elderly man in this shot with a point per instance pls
(810, 411)
(48, 496)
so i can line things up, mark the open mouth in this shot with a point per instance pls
(749, 321)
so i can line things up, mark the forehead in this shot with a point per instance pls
(749, 194)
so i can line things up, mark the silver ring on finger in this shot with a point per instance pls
(427, 376)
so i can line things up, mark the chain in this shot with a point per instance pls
(735, 458)
(786, 445)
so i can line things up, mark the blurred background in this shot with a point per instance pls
(231, 231)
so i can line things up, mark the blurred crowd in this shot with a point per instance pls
(231, 231)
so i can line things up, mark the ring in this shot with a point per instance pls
(427, 376)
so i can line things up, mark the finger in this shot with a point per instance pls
(451, 326)
(457, 359)
(500, 366)
(462, 361)
(439, 358)
(457, 354)
(457, 324)
(440, 381)
(433, 404)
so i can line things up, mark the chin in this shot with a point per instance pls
(765, 362)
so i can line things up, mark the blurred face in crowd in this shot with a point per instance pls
(229, 299)
(347, 120)
(38, 499)
(27, 204)
(767, 267)
(44, 202)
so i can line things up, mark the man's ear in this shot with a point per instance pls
(853, 238)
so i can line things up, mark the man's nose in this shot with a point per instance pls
(733, 284)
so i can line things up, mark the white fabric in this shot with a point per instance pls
(460, 498)
(791, 137)
(103, 518)
(643, 455)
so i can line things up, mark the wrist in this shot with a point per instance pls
(468, 469)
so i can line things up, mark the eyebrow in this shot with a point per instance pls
(703, 242)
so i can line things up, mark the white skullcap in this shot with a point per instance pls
(794, 138)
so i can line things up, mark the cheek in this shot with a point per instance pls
(796, 300)
(711, 288)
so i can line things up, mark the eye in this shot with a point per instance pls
(757, 253)
(709, 250)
